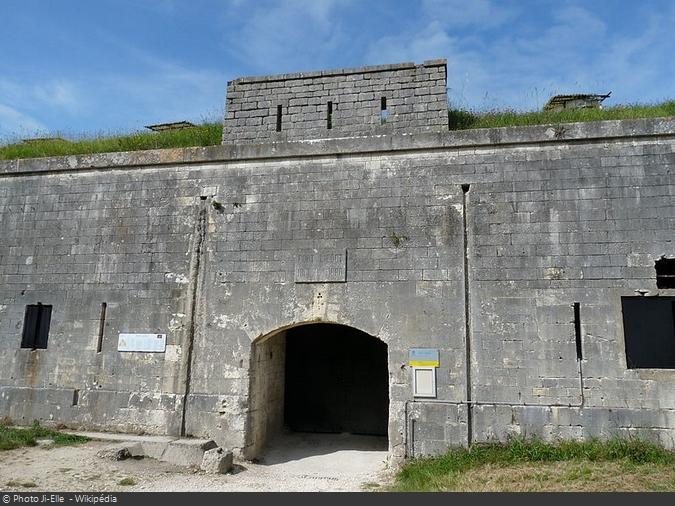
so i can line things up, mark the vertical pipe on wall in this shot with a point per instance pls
(467, 318)
(195, 262)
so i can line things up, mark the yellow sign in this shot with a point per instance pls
(423, 357)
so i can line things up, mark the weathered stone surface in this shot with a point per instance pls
(217, 461)
(529, 221)
(121, 451)
(338, 103)
(187, 452)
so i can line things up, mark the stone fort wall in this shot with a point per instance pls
(499, 233)
(377, 100)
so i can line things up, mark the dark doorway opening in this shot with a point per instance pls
(317, 378)
(336, 381)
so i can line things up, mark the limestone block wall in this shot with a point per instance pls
(76, 241)
(509, 227)
(266, 393)
(338, 103)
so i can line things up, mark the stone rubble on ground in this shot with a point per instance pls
(217, 461)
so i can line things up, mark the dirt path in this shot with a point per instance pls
(297, 462)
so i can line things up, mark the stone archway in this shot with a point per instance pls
(317, 378)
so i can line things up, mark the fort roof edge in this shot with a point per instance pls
(595, 131)
(338, 72)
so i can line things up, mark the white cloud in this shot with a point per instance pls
(290, 36)
(480, 14)
(58, 93)
(61, 94)
(15, 124)
(520, 68)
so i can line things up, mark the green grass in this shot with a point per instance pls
(206, 134)
(210, 133)
(11, 438)
(448, 471)
(461, 119)
(127, 482)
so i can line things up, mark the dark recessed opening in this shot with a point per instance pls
(336, 381)
(278, 118)
(384, 113)
(76, 397)
(649, 332)
(36, 326)
(318, 378)
(329, 116)
(577, 330)
(665, 272)
(101, 327)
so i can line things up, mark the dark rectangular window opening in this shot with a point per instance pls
(329, 116)
(649, 332)
(577, 330)
(36, 326)
(101, 327)
(278, 118)
(665, 272)
(384, 113)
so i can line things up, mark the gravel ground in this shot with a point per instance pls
(295, 462)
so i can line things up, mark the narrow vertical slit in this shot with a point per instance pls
(329, 116)
(577, 331)
(467, 318)
(101, 327)
(279, 118)
(384, 113)
(580, 353)
(76, 397)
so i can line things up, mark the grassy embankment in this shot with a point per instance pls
(206, 134)
(532, 465)
(15, 437)
(209, 133)
(462, 120)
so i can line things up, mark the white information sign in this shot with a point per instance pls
(153, 343)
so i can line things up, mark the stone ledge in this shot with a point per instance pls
(336, 72)
(596, 131)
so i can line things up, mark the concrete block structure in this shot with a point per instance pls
(294, 279)
(384, 99)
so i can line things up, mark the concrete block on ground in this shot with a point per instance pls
(121, 451)
(154, 449)
(187, 452)
(217, 461)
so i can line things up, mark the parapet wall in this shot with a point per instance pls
(384, 99)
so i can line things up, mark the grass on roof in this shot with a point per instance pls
(205, 134)
(210, 133)
(462, 120)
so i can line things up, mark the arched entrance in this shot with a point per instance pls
(317, 378)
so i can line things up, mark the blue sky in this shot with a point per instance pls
(79, 66)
